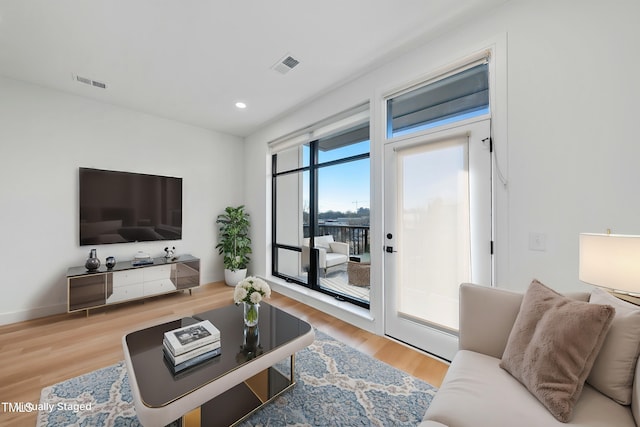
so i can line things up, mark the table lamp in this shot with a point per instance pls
(611, 261)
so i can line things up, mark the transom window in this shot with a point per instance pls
(462, 95)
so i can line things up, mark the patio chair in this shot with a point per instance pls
(331, 253)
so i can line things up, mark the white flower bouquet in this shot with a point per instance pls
(251, 290)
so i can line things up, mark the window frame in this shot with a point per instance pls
(314, 166)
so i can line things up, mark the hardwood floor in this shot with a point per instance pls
(42, 352)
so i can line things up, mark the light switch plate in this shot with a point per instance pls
(537, 241)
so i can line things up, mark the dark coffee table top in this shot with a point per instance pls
(159, 386)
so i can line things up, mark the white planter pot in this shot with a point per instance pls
(232, 278)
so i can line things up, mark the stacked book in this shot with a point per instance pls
(190, 345)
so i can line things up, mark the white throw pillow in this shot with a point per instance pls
(323, 242)
(614, 369)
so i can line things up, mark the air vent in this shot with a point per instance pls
(286, 64)
(89, 81)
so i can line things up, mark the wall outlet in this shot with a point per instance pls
(537, 241)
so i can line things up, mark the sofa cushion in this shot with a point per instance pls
(553, 344)
(333, 259)
(476, 392)
(614, 368)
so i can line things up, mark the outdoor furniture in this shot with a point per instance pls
(331, 253)
(359, 273)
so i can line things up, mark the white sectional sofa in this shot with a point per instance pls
(477, 392)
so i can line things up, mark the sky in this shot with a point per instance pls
(344, 187)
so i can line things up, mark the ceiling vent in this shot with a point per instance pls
(286, 64)
(89, 81)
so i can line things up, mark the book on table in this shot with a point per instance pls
(191, 362)
(188, 338)
(176, 360)
(190, 345)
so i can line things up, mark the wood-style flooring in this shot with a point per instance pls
(45, 351)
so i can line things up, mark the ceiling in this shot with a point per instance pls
(193, 60)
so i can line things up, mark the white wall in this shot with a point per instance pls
(564, 126)
(45, 136)
(573, 145)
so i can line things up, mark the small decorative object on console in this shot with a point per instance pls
(110, 262)
(141, 255)
(93, 262)
(141, 258)
(169, 251)
(250, 292)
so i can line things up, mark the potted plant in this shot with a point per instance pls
(234, 243)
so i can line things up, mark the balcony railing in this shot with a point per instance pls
(356, 235)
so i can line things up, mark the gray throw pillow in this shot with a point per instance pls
(615, 367)
(553, 344)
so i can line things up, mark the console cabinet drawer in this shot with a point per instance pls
(157, 273)
(158, 287)
(123, 293)
(127, 277)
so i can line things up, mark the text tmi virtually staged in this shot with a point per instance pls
(44, 407)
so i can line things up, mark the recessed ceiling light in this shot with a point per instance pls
(241, 105)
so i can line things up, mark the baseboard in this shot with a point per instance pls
(31, 313)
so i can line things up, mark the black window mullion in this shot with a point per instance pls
(313, 216)
(345, 160)
(274, 248)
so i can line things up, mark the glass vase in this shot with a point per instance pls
(92, 262)
(251, 313)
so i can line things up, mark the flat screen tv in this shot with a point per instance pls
(121, 207)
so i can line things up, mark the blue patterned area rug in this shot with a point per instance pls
(336, 384)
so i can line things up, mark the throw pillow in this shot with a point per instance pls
(553, 344)
(323, 242)
(613, 371)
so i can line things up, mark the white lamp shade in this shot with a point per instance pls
(610, 261)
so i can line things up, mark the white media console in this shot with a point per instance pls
(126, 282)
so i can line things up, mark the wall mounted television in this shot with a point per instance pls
(121, 207)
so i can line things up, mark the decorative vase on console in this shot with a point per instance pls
(93, 262)
(110, 262)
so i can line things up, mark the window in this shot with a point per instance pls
(452, 98)
(321, 191)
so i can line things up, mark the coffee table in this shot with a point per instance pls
(256, 365)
